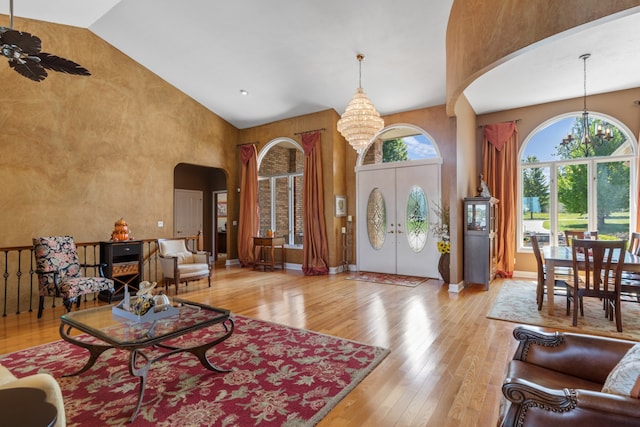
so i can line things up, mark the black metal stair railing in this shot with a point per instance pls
(20, 281)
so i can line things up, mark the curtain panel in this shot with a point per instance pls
(249, 221)
(500, 169)
(315, 252)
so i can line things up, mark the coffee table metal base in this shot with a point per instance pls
(140, 363)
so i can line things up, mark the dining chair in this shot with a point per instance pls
(569, 235)
(634, 243)
(630, 286)
(560, 283)
(596, 274)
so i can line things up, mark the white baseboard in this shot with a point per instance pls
(456, 287)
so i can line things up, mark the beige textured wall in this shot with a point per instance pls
(78, 153)
(468, 157)
(483, 33)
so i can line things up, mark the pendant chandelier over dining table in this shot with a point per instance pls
(587, 139)
(360, 122)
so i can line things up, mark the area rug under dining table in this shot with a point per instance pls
(516, 302)
(280, 376)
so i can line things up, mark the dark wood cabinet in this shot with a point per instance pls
(123, 263)
(222, 242)
(480, 240)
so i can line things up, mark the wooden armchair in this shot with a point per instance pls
(179, 264)
(566, 379)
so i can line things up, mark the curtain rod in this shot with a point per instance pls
(309, 131)
(508, 121)
(247, 143)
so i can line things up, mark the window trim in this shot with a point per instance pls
(290, 177)
(591, 163)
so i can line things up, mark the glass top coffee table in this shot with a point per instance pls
(117, 332)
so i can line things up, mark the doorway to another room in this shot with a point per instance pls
(195, 203)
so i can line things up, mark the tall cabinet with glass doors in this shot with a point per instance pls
(480, 216)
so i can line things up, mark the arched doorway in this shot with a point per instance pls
(398, 189)
(194, 181)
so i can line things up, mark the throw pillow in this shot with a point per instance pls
(624, 379)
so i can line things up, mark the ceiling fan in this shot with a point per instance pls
(24, 55)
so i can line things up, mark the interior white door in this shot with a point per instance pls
(187, 212)
(417, 188)
(376, 221)
(393, 237)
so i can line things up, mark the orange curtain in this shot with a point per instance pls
(315, 252)
(638, 193)
(249, 222)
(500, 170)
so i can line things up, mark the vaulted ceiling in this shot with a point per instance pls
(299, 57)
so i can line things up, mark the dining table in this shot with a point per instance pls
(561, 256)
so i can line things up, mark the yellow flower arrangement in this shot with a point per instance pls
(444, 247)
(440, 229)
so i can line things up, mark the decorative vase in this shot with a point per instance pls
(443, 266)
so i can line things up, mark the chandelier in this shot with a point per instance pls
(360, 121)
(587, 141)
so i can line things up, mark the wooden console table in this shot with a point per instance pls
(266, 255)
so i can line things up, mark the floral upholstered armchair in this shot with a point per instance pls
(60, 274)
(179, 264)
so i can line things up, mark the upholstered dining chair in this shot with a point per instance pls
(596, 273)
(179, 264)
(561, 277)
(60, 272)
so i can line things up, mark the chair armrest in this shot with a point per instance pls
(201, 257)
(569, 353)
(566, 405)
(169, 265)
(100, 267)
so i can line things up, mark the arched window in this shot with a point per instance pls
(576, 186)
(280, 185)
(399, 143)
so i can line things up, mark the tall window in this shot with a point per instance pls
(570, 187)
(280, 185)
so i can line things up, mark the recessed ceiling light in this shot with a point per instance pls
(243, 92)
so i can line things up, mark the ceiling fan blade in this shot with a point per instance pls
(27, 43)
(56, 63)
(30, 69)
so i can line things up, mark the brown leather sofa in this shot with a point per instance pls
(555, 379)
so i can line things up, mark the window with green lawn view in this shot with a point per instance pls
(576, 186)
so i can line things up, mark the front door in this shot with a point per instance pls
(395, 208)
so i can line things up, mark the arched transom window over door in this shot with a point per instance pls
(574, 186)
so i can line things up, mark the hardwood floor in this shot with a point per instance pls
(446, 362)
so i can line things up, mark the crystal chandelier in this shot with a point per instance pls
(360, 121)
(587, 141)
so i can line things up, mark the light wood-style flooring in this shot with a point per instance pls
(447, 359)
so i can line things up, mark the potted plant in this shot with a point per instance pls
(440, 230)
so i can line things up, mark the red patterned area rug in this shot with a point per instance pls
(387, 279)
(280, 376)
